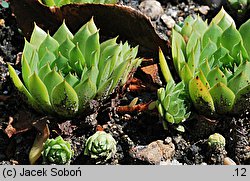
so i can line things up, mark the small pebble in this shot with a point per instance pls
(168, 20)
(151, 8)
(228, 161)
(204, 9)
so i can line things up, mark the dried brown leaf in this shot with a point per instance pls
(113, 20)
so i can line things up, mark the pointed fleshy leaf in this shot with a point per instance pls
(164, 67)
(244, 67)
(39, 92)
(245, 33)
(62, 33)
(207, 51)
(26, 71)
(93, 46)
(200, 96)
(81, 36)
(51, 80)
(200, 26)
(64, 100)
(203, 79)
(28, 51)
(59, 62)
(118, 74)
(37, 36)
(220, 52)
(230, 37)
(178, 44)
(107, 43)
(205, 67)
(237, 49)
(223, 19)
(239, 82)
(72, 80)
(76, 55)
(19, 85)
(49, 43)
(66, 47)
(186, 74)
(48, 57)
(213, 33)
(215, 76)
(43, 71)
(223, 98)
(193, 41)
(86, 91)
(103, 89)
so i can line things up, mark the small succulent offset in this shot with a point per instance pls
(172, 100)
(216, 139)
(213, 62)
(57, 151)
(100, 145)
(64, 72)
(63, 2)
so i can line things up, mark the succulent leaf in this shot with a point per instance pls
(64, 99)
(200, 95)
(223, 98)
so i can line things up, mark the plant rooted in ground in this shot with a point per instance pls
(216, 139)
(213, 62)
(63, 2)
(64, 72)
(172, 100)
(100, 145)
(57, 151)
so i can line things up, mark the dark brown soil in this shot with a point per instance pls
(129, 129)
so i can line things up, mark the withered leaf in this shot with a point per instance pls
(113, 20)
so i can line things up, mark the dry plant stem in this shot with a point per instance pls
(137, 108)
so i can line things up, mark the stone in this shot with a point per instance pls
(154, 153)
(204, 9)
(168, 20)
(151, 8)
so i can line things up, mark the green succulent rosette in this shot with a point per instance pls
(57, 151)
(64, 72)
(213, 62)
(216, 139)
(172, 104)
(63, 2)
(100, 145)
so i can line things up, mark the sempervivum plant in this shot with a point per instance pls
(216, 139)
(213, 62)
(57, 151)
(172, 103)
(64, 72)
(100, 145)
(63, 2)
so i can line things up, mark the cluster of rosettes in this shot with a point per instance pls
(63, 2)
(213, 62)
(64, 72)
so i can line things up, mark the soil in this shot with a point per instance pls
(132, 130)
